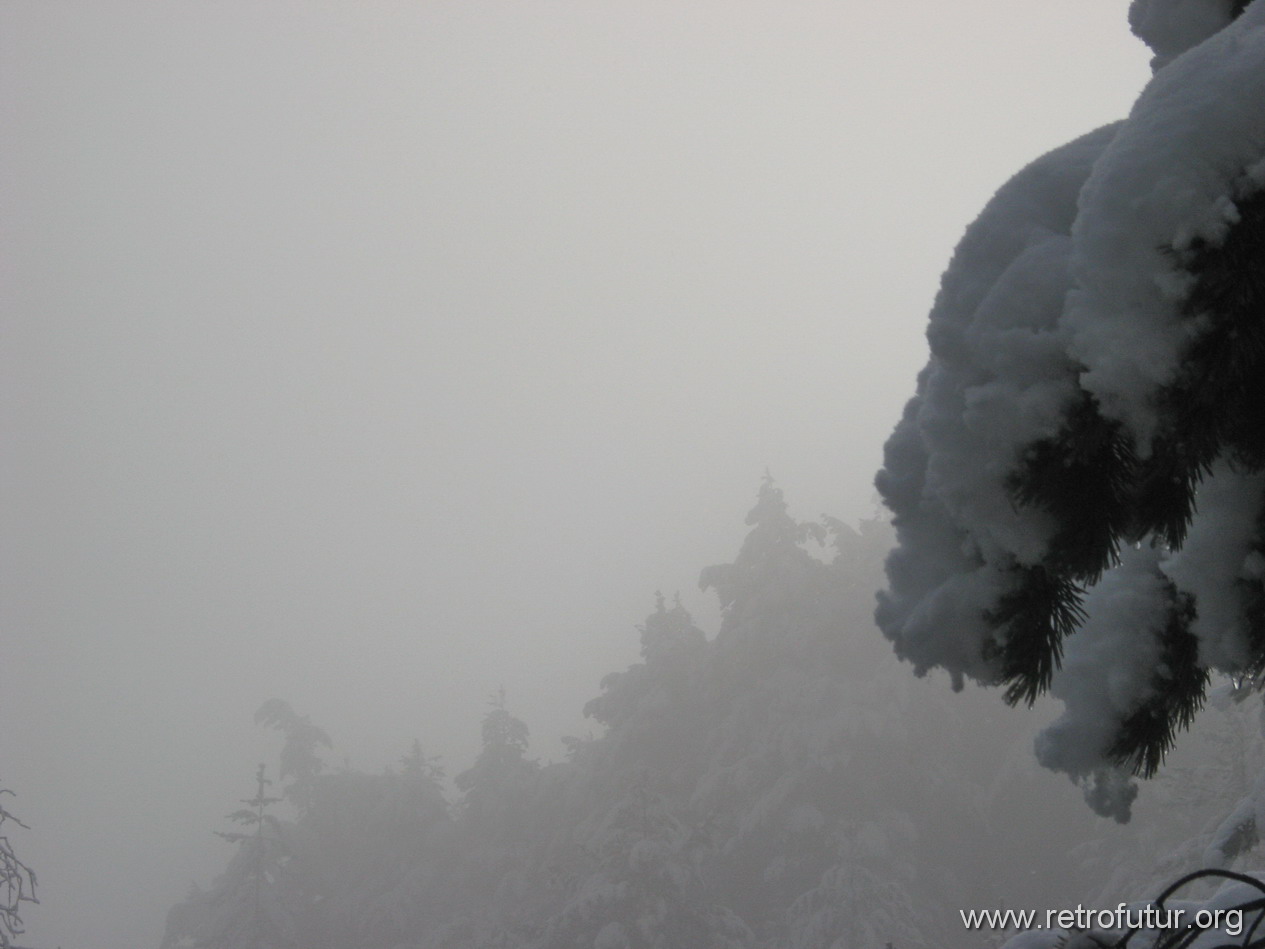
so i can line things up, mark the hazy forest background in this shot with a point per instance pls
(383, 390)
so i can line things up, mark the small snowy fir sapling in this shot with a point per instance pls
(248, 909)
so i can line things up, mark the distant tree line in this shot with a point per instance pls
(784, 784)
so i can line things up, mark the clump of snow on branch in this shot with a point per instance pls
(1167, 179)
(1216, 558)
(997, 380)
(1170, 27)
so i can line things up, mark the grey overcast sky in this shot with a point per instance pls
(376, 355)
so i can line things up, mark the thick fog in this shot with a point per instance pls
(378, 356)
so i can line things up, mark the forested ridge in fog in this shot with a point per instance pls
(785, 784)
(375, 356)
(380, 358)
(1077, 487)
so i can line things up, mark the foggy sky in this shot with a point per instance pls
(374, 356)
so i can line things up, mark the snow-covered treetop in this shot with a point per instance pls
(773, 564)
(666, 631)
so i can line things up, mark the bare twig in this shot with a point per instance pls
(17, 884)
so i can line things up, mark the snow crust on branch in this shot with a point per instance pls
(1167, 180)
(1170, 27)
(997, 380)
(1216, 557)
(1106, 674)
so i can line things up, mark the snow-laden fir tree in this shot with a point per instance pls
(1078, 480)
(838, 794)
(252, 905)
(653, 711)
(495, 785)
(786, 710)
(494, 887)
